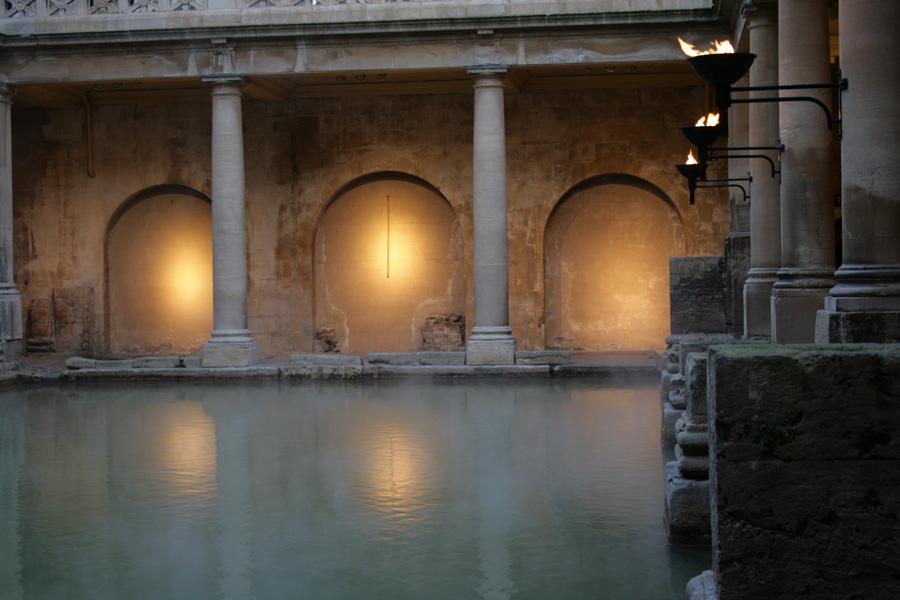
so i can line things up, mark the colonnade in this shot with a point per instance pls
(792, 221)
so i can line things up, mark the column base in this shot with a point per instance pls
(10, 323)
(794, 311)
(491, 346)
(758, 304)
(230, 349)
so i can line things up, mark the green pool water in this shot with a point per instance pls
(543, 489)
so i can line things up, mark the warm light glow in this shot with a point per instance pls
(188, 277)
(187, 449)
(710, 120)
(690, 158)
(394, 470)
(723, 47)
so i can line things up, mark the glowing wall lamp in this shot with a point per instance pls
(692, 171)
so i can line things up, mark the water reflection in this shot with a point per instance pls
(415, 490)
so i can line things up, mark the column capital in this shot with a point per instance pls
(764, 11)
(7, 91)
(225, 83)
(488, 74)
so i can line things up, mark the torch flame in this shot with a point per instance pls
(710, 120)
(690, 158)
(723, 47)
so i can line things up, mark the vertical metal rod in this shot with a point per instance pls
(388, 248)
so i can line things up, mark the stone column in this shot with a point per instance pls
(765, 232)
(737, 244)
(491, 341)
(807, 194)
(10, 300)
(864, 306)
(230, 344)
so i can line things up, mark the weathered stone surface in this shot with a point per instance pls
(325, 360)
(687, 505)
(444, 333)
(491, 352)
(702, 587)
(677, 392)
(230, 354)
(737, 264)
(805, 467)
(695, 386)
(697, 294)
(665, 385)
(78, 362)
(192, 362)
(882, 327)
(157, 362)
(416, 358)
(670, 416)
(691, 466)
(326, 340)
(543, 357)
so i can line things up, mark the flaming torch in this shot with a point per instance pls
(692, 171)
(703, 134)
(720, 66)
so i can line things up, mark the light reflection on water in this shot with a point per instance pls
(495, 490)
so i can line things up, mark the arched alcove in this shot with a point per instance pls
(159, 272)
(607, 245)
(388, 262)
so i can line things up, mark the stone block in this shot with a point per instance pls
(670, 416)
(192, 362)
(677, 392)
(230, 354)
(325, 360)
(665, 381)
(737, 265)
(805, 471)
(442, 358)
(695, 386)
(543, 357)
(697, 294)
(157, 362)
(691, 466)
(491, 352)
(393, 358)
(880, 327)
(78, 362)
(701, 587)
(687, 505)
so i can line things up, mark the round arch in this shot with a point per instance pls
(607, 242)
(157, 253)
(388, 267)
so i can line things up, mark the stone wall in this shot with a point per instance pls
(805, 471)
(299, 155)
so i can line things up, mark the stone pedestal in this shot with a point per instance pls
(865, 303)
(765, 218)
(10, 300)
(807, 197)
(491, 341)
(230, 344)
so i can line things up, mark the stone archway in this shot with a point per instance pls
(607, 245)
(389, 269)
(158, 259)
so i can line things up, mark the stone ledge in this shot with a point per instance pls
(428, 358)
(543, 357)
(461, 371)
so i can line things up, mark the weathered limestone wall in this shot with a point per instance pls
(299, 155)
(606, 269)
(805, 470)
(159, 261)
(389, 255)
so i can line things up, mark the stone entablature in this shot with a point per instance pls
(41, 17)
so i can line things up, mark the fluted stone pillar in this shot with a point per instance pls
(10, 300)
(864, 306)
(765, 236)
(491, 341)
(230, 344)
(807, 194)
